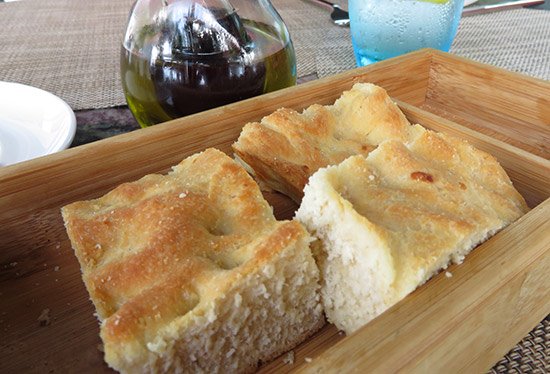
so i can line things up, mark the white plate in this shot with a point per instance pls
(33, 123)
(469, 2)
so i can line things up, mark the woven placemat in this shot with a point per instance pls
(517, 40)
(531, 355)
(321, 47)
(70, 48)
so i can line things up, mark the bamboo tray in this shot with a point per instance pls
(463, 323)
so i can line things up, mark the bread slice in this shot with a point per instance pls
(387, 222)
(286, 147)
(190, 271)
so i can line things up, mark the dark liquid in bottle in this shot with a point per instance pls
(190, 86)
(165, 88)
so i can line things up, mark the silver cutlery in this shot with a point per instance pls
(469, 11)
(338, 15)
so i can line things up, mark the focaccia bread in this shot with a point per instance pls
(387, 222)
(190, 271)
(286, 147)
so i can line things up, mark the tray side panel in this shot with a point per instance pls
(508, 106)
(406, 81)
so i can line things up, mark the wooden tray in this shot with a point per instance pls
(463, 323)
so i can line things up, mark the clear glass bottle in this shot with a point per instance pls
(184, 56)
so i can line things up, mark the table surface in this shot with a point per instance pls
(328, 54)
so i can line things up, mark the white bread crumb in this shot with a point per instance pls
(289, 358)
(44, 318)
(448, 274)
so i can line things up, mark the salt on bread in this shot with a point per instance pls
(387, 222)
(286, 147)
(190, 271)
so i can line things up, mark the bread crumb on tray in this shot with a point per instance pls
(289, 358)
(44, 317)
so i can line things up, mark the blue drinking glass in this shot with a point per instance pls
(381, 29)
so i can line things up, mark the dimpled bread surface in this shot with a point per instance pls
(286, 147)
(387, 222)
(190, 271)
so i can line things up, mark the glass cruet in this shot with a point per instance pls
(184, 56)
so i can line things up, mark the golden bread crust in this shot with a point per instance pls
(286, 147)
(159, 254)
(429, 197)
(145, 227)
